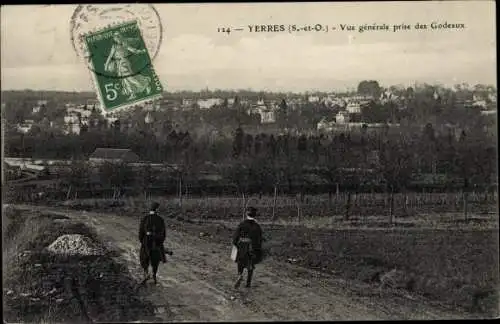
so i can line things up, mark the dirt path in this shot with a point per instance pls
(196, 283)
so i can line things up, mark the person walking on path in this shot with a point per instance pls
(248, 240)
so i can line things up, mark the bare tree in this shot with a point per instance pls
(77, 178)
(146, 179)
(395, 168)
(116, 176)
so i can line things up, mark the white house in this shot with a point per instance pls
(325, 125)
(267, 115)
(25, 127)
(36, 109)
(342, 117)
(480, 103)
(209, 103)
(73, 128)
(187, 102)
(71, 119)
(488, 112)
(361, 98)
(313, 99)
(78, 110)
(75, 118)
(353, 107)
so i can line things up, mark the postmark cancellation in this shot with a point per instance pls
(121, 67)
(118, 44)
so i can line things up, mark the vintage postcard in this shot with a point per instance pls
(249, 161)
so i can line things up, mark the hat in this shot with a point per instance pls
(251, 212)
(154, 205)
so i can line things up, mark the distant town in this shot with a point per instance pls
(338, 111)
(239, 138)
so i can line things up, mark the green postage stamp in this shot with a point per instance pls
(121, 67)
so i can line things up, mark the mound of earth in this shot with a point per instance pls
(75, 244)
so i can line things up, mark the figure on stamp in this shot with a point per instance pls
(118, 62)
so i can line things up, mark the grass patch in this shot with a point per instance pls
(455, 267)
(43, 287)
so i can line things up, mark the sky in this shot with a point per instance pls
(37, 53)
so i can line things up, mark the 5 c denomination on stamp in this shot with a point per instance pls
(118, 43)
(121, 67)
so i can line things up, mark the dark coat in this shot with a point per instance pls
(152, 223)
(248, 229)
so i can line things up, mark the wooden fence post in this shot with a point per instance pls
(348, 206)
(274, 202)
(337, 199)
(297, 201)
(465, 200)
(68, 193)
(180, 194)
(405, 203)
(244, 204)
(391, 206)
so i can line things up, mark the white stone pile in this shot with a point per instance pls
(75, 244)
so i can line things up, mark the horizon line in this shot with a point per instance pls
(348, 89)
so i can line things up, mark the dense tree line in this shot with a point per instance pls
(466, 150)
(303, 164)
